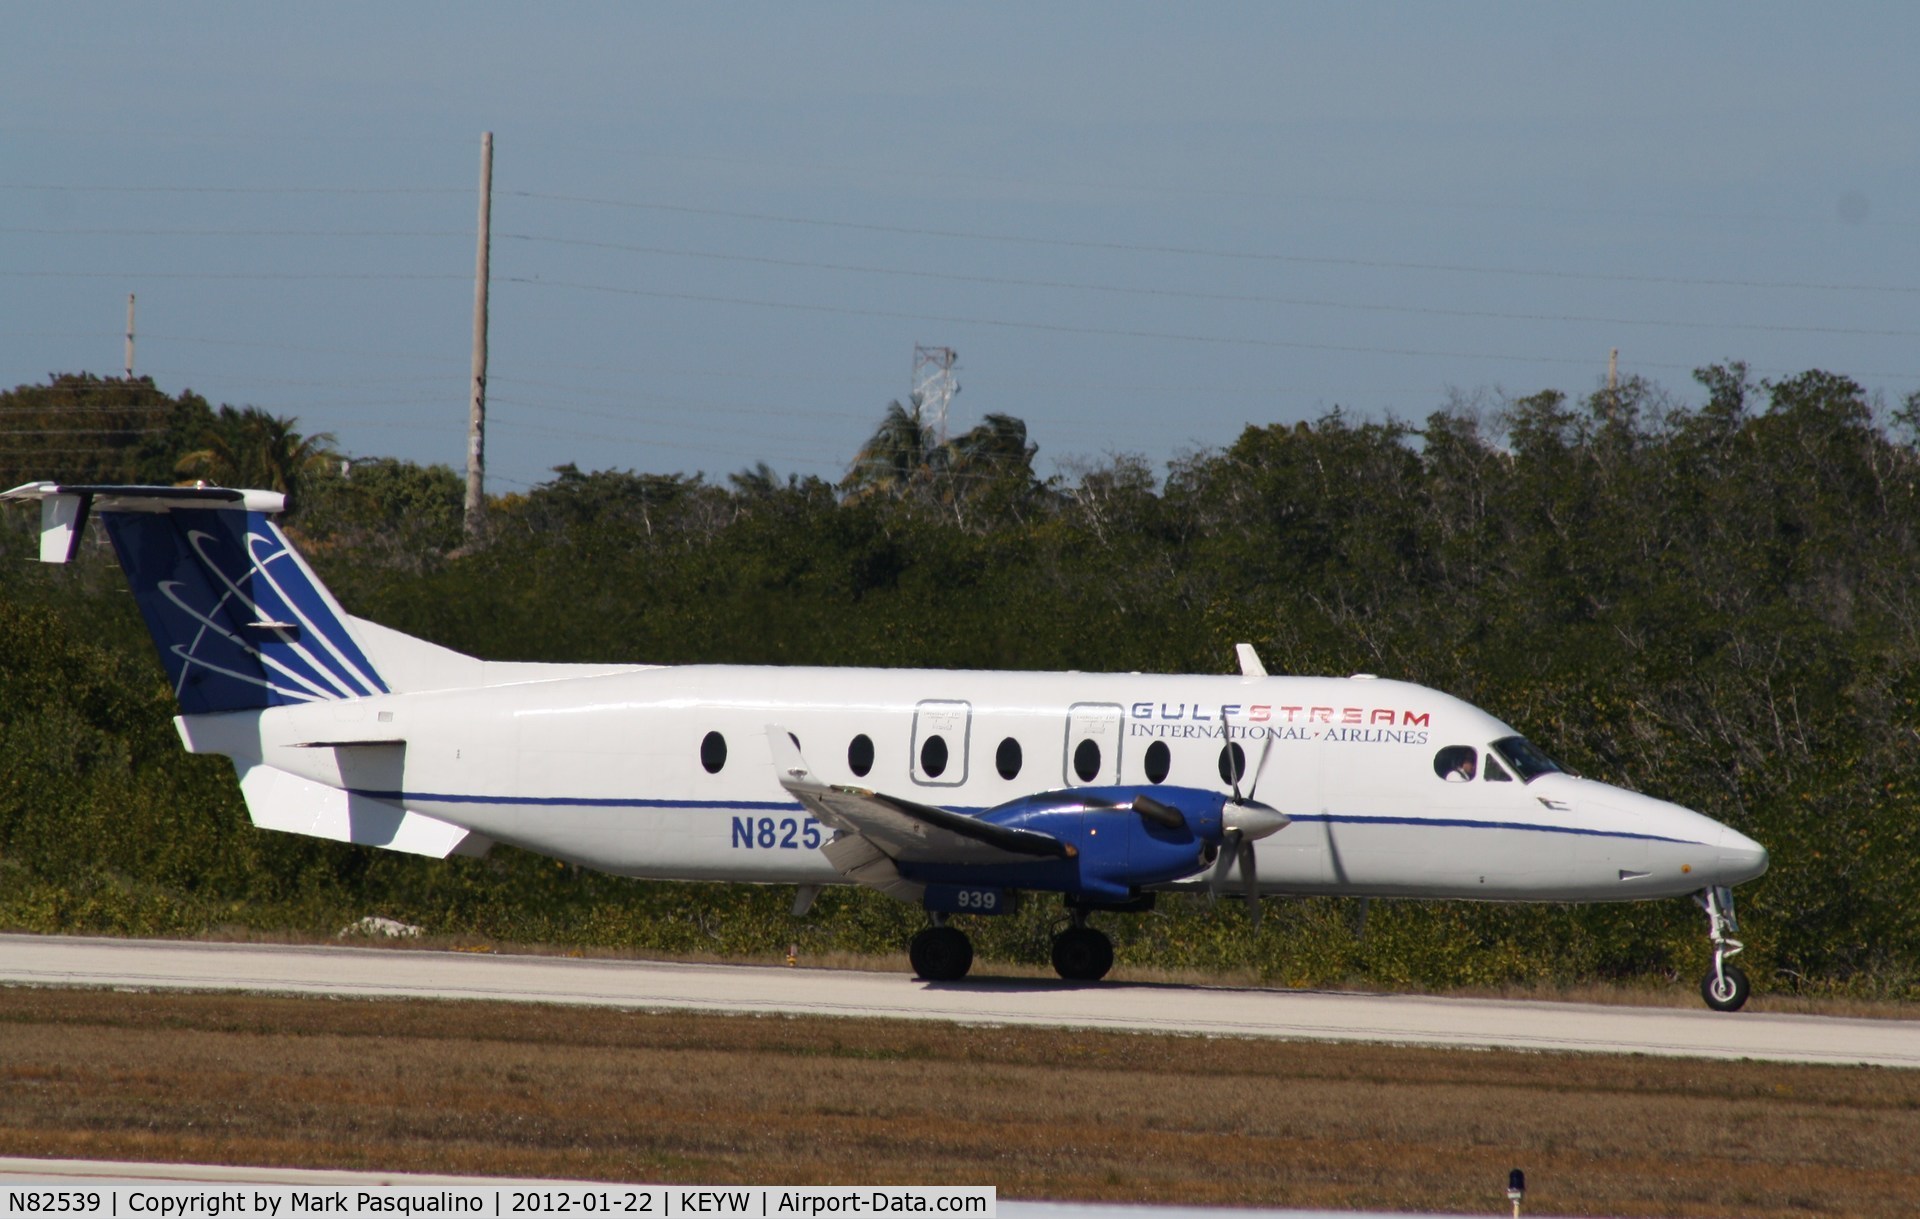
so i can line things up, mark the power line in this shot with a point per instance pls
(358, 353)
(232, 190)
(1094, 331)
(525, 426)
(1205, 252)
(262, 275)
(91, 431)
(1221, 297)
(68, 232)
(670, 401)
(681, 424)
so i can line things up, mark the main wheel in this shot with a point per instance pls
(941, 954)
(1081, 954)
(1727, 990)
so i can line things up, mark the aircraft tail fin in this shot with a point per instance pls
(240, 620)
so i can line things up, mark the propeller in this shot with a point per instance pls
(1243, 820)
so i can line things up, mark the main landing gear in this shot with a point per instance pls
(1080, 953)
(944, 954)
(941, 953)
(1725, 988)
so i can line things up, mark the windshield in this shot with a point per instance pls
(1526, 758)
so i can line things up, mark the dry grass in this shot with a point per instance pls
(521, 1090)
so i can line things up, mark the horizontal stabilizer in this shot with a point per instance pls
(277, 800)
(240, 621)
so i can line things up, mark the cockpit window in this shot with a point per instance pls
(1495, 773)
(1456, 763)
(1525, 758)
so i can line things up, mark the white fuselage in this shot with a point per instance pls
(615, 770)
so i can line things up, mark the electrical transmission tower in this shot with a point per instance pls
(934, 386)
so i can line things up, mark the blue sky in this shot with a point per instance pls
(720, 229)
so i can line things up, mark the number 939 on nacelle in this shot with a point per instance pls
(969, 899)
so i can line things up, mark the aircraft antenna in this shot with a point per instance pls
(934, 385)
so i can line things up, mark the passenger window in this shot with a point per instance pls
(1456, 763)
(1233, 763)
(1496, 773)
(1159, 762)
(713, 752)
(1086, 761)
(1006, 759)
(933, 757)
(860, 755)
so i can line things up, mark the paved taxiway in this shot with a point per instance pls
(1211, 1011)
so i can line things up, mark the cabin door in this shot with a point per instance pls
(941, 728)
(1092, 752)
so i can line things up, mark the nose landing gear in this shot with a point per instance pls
(1725, 988)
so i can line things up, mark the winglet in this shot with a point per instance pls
(1250, 665)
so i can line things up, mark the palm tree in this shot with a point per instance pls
(251, 448)
(897, 458)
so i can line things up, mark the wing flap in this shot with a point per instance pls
(904, 830)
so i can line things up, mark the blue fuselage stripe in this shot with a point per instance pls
(781, 806)
(1470, 824)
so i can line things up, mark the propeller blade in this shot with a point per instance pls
(1260, 768)
(1250, 875)
(1159, 813)
(1229, 851)
(1236, 758)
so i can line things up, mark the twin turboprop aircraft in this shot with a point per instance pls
(954, 791)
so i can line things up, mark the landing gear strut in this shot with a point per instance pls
(1725, 988)
(1080, 953)
(941, 953)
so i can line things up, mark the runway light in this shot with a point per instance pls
(1516, 1189)
(793, 954)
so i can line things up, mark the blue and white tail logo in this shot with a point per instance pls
(240, 620)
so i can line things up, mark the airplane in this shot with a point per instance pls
(961, 792)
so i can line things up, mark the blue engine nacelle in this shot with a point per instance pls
(1123, 838)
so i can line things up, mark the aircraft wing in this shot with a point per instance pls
(877, 830)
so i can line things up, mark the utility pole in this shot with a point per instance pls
(476, 508)
(1613, 384)
(129, 336)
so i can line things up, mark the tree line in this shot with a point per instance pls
(1709, 598)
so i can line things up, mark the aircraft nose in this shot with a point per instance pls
(1740, 857)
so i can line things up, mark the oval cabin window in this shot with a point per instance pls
(1086, 761)
(1159, 762)
(1006, 759)
(860, 755)
(1233, 763)
(933, 757)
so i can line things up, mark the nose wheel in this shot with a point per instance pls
(1725, 988)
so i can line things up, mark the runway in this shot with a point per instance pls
(1138, 1007)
